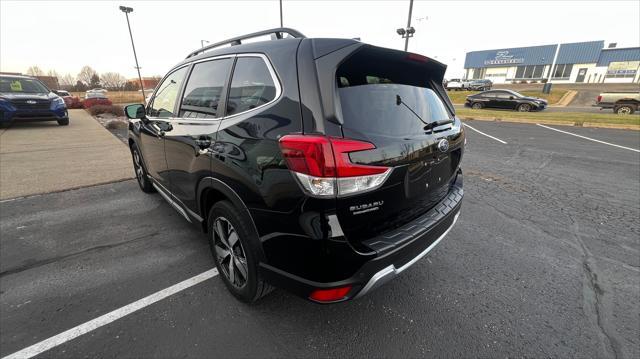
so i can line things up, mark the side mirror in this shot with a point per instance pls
(135, 112)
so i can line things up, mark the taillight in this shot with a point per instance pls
(599, 98)
(330, 295)
(323, 167)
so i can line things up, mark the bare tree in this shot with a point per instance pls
(112, 80)
(35, 71)
(53, 73)
(67, 81)
(85, 75)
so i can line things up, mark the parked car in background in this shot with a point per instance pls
(480, 85)
(70, 100)
(622, 103)
(95, 98)
(283, 153)
(101, 90)
(458, 84)
(505, 99)
(24, 98)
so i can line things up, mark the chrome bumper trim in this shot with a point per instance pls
(389, 272)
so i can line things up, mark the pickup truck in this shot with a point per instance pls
(622, 103)
(457, 84)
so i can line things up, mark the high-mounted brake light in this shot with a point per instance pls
(416, 57)
(324, 169)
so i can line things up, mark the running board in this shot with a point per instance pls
(173, 203)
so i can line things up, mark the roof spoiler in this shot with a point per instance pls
(278, 32)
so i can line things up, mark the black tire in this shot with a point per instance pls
(524, 107)
(476, 106)
(624, 109)
(244, 252)
(141, 171)
(64, 122)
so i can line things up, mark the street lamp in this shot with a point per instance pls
(126, 11)
(407, 32)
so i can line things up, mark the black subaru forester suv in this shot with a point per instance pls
(323, 166)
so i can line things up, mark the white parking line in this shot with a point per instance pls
(110, 317)
(590, 139)
(482, 133)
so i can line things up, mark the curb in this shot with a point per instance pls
(559, 123)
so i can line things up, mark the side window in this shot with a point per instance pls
(204, 89)
(503, 95)
(251, 86)
(164, 100)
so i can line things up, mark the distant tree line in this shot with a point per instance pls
(88, 78)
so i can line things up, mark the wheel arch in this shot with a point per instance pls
(211, 190)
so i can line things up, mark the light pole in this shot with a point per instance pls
(281, 13)
(126, 11)
(409, 30)
(202, 43)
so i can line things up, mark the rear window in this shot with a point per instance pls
(389, 94)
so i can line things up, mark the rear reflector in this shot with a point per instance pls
(330, 295)
(324, 169)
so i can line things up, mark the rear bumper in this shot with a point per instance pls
(397, 251)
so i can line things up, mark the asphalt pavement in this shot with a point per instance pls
(544, 262)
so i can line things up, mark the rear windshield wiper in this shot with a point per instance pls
(429, 126)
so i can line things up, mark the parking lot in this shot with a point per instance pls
(544, 262)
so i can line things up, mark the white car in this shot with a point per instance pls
(458, 84)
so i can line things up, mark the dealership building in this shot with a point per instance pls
(579, 62)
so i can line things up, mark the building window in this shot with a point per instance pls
(478, 73)
(562, 72)
(529, 72)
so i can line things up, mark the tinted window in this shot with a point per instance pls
(251, 86)
(204, 88)
(396, 106)
(164, 99)
(502, 94)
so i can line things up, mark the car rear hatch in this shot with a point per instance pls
(391, 99)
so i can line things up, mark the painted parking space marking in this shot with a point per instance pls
(482, 133)
(589, 138)
(110, 317)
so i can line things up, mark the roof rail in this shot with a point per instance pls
(278, 32)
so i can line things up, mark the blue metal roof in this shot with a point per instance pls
(616, 55)
(571, 53)
(580, 52)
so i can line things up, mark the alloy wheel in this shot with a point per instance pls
(137, 166)
(624, 110)
(523, 108)
(230, 254)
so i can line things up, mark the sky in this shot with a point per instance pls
(66, 35)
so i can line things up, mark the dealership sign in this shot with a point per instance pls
(504, 58)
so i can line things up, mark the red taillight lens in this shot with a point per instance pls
(324, 169)
(344, 166)
(322, 156)
(330, 295)
(599, 98)
(310, 155)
